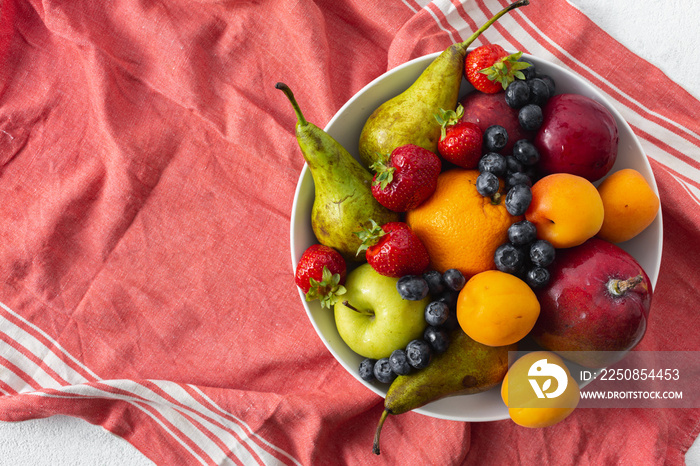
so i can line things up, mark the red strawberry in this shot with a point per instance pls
(405, 178)
(320, 274)
(460, 141)
(490, 69)
(393, 250)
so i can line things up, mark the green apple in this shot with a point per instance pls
(378, 320)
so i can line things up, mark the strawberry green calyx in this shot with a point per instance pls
(384, 170)
(448, 118)
(369, 236)
(328, 290)
(506, 70)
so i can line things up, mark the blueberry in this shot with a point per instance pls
(495, 138)
(522, 233)
(517, 94)
(513, 165)
(437, 338)
(436, 313)
(518, 199)
(418, 354)
(367, 369)
(452, 322)
(412, 287)
(530, 117)
(399, 362)
(435, 284)
(517, 178)
(549, 81)
(537, 277)
(449, 297)
(542, 253)
(539, 91)
(494, 163)
(526, 152)
(383, 372)
(509, 258)
(529, 72)
(454, 279)
(531, 173)
(487, 184)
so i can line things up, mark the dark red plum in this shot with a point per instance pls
(597, 300)
(491, 109)
(578, 136)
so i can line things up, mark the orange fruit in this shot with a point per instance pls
(566, 209)
(496, 308)
(459, 227)
(525, 407)
(630, 205)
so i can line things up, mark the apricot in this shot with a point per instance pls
(496, 308)
(566, 209)
(525, 407)
(630, 205)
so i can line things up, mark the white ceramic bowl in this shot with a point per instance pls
(345, 127)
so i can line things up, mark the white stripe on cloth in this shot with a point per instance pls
(243, 424)
(40, 350)
(139, 406)
(216, 433)
(693, 192)
(28, 367)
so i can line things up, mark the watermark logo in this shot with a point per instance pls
(641, 379)
(547, 372)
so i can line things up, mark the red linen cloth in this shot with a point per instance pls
(147, 170)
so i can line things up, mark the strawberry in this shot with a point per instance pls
(490, 69)
(460, 141)
(393, 249)
(320, 274)
(405, 178)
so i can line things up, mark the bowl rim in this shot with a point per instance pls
(502, 413)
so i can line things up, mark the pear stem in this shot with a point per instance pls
(488, 23)
(620, 287)
(375, 446)
(288, 92)
(347, 304)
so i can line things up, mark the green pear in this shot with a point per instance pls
(343, 200)
(466, 368)
(409, 118)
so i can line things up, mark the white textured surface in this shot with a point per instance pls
(664, 32)
(63, 441)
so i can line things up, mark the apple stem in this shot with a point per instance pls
(347, 304)
(375, 446)
(620, 287)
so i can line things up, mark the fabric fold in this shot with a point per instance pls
(147, 172)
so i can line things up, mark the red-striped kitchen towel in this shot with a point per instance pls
(147, 170)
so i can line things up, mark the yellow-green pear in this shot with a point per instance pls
(409, 118)
(343, 200)
(465, 368)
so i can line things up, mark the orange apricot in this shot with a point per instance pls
(566, 209)
(630, 205)
(496, 308)
(558, 395)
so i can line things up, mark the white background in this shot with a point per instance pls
(664, 32)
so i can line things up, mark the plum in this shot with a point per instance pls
(578, 136)
(595, 306)
(491, 109)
